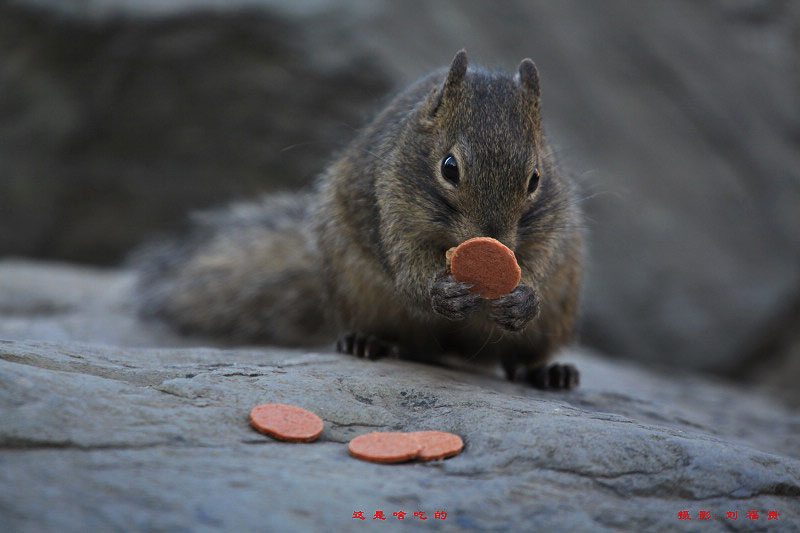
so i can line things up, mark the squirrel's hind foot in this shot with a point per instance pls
(368, 347)
(556, 376)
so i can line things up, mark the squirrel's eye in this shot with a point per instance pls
(534, 182)
(450, 169)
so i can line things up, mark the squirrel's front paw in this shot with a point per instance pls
(514, 310)
(452, 298)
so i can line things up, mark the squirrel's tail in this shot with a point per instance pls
(247, 273)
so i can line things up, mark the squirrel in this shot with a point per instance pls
(461, 153)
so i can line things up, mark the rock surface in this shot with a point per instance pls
(98, 434)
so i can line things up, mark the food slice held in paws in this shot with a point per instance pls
(486, 263)
(286, 422)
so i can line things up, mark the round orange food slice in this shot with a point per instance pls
(437, 445)
(286, 422)
(486, 263)
(385, 447)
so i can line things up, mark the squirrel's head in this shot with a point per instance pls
(474, 152)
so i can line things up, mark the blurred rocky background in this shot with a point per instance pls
(681, 119)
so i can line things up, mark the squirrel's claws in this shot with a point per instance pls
(514, 310)
(554, 376)
(366, 347)
(452, 299)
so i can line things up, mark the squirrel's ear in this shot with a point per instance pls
(529, 80)
(452, 84)
(458, 69)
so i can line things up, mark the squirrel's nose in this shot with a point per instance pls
(491, 230)
(495, 231)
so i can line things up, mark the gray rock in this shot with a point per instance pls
(119, 117)
(113, 438)
(61, 302)
(104, 435)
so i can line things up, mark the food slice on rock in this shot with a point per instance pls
(385, 447)
(437, 445)
(286, 422)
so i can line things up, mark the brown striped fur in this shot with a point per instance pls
(361, 252)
